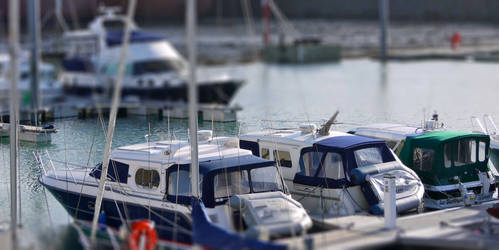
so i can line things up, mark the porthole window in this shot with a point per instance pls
(147, 178)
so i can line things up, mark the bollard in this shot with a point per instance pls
(390, 208)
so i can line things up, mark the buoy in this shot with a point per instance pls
(455, 40)
(143, 236)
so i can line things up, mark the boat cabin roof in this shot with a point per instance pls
(388, 131)
(178, 152)
(291, 137)
(435, 138)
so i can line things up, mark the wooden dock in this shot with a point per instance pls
(456, 228)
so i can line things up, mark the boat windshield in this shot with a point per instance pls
(265, 179)
(157, 66)
(368, 156)
(329, 166)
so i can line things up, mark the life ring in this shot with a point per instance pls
(138, 229)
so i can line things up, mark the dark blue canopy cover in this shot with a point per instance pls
(209, 169)
(242, 162)
(346, 142)
(212, 236)
(345, 146)
(116, 37)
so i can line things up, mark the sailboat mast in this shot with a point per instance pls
(34, 33)
(13, 111)
(190, 16)
(112, 116)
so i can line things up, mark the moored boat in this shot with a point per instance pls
(241, 192)
(154, 68)
(336, 174)
(453, 165)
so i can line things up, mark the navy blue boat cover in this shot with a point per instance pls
(344, 142)
(116, 37)
(209, 235)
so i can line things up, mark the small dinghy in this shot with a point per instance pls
(30, 133)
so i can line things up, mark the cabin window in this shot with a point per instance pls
(447, 155)
(117, 171)
(465, 153)
(462, 152)
(311, 162)
(266, 153)
(266, 179)
(482, 151)
(368, 156)
(423, 159)
(333, 166)
(283, 158)
(179, 183)
(227, 184)
(154, 66)
(147, 178)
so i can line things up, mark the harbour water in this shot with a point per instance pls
(365, 91)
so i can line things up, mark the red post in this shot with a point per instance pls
(455, 40)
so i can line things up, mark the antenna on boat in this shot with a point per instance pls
(324, 129)
(112, 117)
(190, 16)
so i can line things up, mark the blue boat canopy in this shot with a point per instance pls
(116, 37)
(346, 142)
(346, 153)
(210, 169)
(243, 162)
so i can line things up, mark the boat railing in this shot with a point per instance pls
(48, 166)
(484, 124)
(475, 121)
(492, 123)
